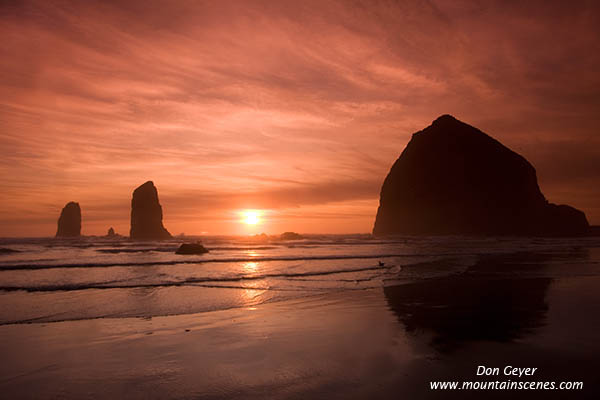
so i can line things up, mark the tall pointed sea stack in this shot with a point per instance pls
(146, 214)
(454, 179)
(69, 222)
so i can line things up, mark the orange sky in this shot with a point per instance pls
(295, 108)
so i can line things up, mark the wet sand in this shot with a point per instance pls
(539, 312)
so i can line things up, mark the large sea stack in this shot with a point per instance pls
(146, 214)
(69, 222)
(453, 179)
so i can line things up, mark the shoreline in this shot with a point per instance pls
(347, 344)
(527, 309)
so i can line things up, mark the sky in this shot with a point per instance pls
(295, 109)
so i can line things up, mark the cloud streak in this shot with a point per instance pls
(278, 105)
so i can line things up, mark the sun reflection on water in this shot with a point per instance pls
(253, 289)
(250, 266)
(252, 297)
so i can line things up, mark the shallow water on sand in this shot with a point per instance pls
(58, 280)
(318, 318)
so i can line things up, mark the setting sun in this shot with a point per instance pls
(299, 199)
(251, 217)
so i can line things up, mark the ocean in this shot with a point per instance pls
(50, 280)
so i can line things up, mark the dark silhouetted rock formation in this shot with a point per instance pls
(261, 238)
(454, 179)
(291, 236)
(191, 248)
(146, 214)
(111, 232)
(4, 250)
(69, 222)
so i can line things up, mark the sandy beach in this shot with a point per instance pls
(374, 343)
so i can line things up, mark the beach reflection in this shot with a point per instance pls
(451, 312)
(252, 253)
(455, 311)
(252, 296)
(250, 267)
(253, 291)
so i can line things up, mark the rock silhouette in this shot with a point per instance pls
(454, 179)
(262, 237)
(191, 248)
(69, 222)
(146, 214)
(291, 236)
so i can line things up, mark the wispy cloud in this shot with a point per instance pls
(278, 105)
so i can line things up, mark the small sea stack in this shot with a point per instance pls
(453, 179)
(146, 214)
(291, 236)
(260, 238)
(191, 248)
(69, 222)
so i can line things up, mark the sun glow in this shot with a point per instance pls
(251, 217)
